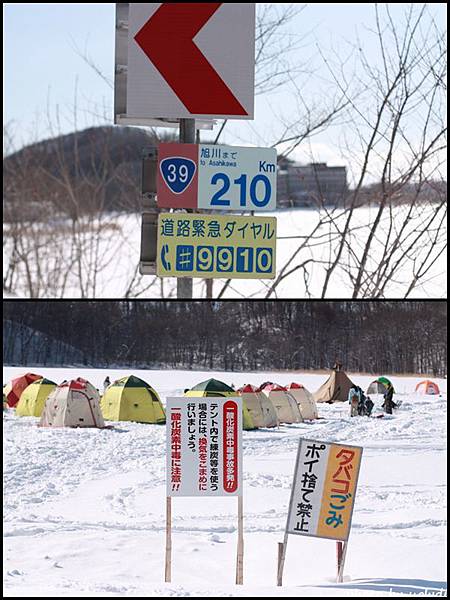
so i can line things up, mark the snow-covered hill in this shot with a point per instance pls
(84, 510)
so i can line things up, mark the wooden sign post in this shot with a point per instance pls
(322, 497)
(204, 458)
(168, 570)
(240, 547)
(281, 558)
(341, 553)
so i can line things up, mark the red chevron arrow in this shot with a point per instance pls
(167, 40)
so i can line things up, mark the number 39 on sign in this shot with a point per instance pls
(217, 177)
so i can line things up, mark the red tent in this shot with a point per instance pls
(15, 388)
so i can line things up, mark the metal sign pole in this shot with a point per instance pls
(208, 282)
(185, 285)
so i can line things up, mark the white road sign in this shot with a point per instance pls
(204, 446)
(217, 177)
(185, 60)
(237, 178)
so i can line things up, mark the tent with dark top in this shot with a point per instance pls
(214, 388)
(132, 399)
(212, 385)
(33, 398)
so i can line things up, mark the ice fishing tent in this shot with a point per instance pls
(74, 403)
(335, 388)
(132, 399)
(215, 388)
(304, 399)
(14, 388)
(284, 403)
(427, 387)
(33, 398)
(379, 386)
(211, 387)
(262, 411)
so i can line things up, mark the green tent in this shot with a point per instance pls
(379, 386)
(214, 387)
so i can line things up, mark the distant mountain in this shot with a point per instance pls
(96, 168)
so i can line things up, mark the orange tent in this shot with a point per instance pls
(14, 389)
(427, 387)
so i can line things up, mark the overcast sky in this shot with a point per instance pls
(42, 67)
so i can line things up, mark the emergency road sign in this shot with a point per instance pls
(216, 246)
(324, 488)
(204, 446)
(217, 177)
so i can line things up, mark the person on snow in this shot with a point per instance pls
(106, 383)
(353, 400)
(360, 404)
(368, 406)
(389, 403)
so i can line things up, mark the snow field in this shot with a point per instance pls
(120, 256)
(84, 510)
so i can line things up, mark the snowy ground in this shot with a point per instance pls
(113, 272)
(84, 510)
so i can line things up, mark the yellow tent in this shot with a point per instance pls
(32, 399)
(132, 399)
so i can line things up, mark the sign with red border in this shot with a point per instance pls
(204, 446)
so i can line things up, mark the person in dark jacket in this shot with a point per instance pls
(389, 403)
(360, 404)
(106, 383)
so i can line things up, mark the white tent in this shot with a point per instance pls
(304, 399)
(74, 403)
(285, 405)
(261, 409)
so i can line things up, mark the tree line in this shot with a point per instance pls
(373, 337)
